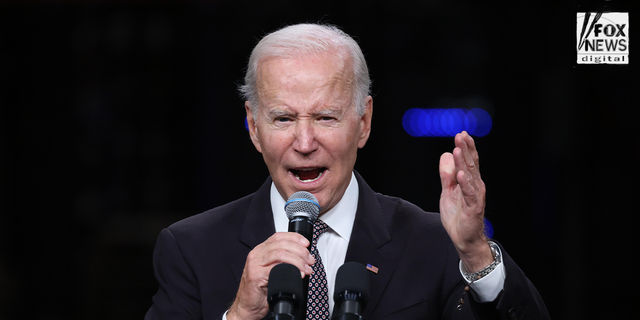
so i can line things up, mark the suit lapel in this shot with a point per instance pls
(371, 242)
(258, 225)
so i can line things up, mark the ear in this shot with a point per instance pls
(253, 129)
(365, 122)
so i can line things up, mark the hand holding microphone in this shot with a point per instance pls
(282, 247)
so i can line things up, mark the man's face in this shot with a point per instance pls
(307, 128)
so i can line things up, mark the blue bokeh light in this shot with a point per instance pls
(483, 122)
(406, 122)
(446, 122)
(488, 229)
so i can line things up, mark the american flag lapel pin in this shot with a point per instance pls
(372, 268)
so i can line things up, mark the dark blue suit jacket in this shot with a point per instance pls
(199, 261)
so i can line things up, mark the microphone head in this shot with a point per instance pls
(284, 282)
(352, 277)
(302, 203)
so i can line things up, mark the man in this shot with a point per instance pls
(309, 111)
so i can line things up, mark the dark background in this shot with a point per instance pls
(120, 117)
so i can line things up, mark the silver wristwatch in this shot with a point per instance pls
(497, 259)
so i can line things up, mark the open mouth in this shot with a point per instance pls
(308, 174)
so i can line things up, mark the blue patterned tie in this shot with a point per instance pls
(318, 302)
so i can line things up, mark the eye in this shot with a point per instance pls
(327, 118)
(282, 119)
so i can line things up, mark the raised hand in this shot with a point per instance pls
(462, 203)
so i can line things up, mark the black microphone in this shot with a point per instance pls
(284, 291)
(352, 292)
(302, 209)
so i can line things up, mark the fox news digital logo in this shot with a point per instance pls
(602, 37)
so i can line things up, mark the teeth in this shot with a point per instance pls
(310, 180)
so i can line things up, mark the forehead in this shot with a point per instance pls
(311, 78)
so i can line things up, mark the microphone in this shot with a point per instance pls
(302, 209)
(284, 291)
(352, 292)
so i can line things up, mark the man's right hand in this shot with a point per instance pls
(282, 247)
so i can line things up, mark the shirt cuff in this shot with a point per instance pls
(488, 288)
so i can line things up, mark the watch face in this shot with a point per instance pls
(496, 252)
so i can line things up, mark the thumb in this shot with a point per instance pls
(447, 171)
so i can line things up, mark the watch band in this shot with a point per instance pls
(497, 259)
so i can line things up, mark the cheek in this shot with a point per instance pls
(352, 137)
(342, 147)
(275, 145)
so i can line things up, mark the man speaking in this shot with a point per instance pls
(309, 111)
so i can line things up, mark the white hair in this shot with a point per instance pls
(302, 40)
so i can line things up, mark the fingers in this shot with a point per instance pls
(471, 147)
(466, 159)
(463, 159)
(283, 247)
(287, 247)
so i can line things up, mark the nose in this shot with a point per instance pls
(305, 137)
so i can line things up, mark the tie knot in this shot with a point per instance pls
(319, 227)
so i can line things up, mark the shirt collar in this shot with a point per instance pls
(340, 218)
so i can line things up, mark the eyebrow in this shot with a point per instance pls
(331, 111)
(279, 113)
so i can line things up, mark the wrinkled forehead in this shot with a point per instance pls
(310, 72)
